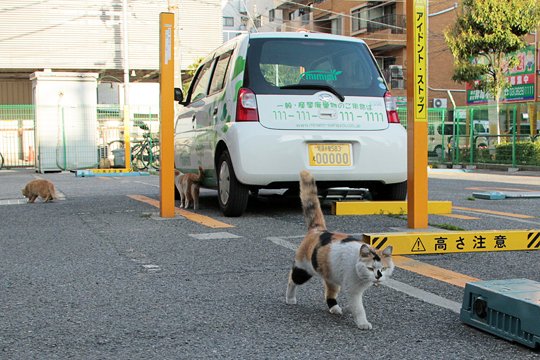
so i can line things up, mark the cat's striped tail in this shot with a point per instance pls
(310, 202)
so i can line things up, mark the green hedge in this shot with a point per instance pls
(527, 152)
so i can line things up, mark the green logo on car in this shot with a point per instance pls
(320, 75)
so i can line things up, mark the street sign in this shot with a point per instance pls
(456, 241)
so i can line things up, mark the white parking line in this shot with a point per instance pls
(393, 284)
(217, 235)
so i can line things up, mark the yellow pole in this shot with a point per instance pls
(166, 132)
(417, 100)
(127, 139)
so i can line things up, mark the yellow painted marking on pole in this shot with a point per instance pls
(448, 276)
(493, 212)
(417, 96)
(166, 131)
(127, 138)
(459, 216)
(385, 207)
(456, 241)
(198, 218)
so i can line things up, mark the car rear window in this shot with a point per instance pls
(346, 66)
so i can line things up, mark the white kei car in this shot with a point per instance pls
(265, 106)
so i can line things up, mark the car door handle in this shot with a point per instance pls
(215, 112)
(193, 118)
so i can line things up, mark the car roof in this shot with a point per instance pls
(303, 35)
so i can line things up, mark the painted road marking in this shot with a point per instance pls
(493, 212)
(212, 236)
(459, 216)
(420, 294)
(431, 271)
(524, 221)
(455, 242)
(198, 218)
(498, 189)
(151, 267)
(13, 201)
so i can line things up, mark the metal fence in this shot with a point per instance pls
(69, 138)
(54, 138)
(470, 135)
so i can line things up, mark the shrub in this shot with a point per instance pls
(527, 152)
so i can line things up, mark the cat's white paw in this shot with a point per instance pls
(336, 309)
(290, 301)
(364, 325)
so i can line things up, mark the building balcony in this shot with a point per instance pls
(392, 24)
(322, 9)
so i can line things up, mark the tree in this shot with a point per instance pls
(484, 34)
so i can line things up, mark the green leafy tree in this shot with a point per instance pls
(484, 34)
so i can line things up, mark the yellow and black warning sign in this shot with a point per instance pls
(455, 242)
(110, 171)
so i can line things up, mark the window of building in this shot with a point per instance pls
(228, 21)
(359, 19)
(272, 15)
(292, 15)
(337, 24)
(373, 17)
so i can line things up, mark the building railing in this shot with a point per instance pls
(68, 138)
(464, 137)
(76, 138)
(396, 23)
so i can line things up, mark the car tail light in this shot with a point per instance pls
(246, 107)
(391, 108)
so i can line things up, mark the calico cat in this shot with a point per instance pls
(188, 186)
(340, 259)
(39, 187)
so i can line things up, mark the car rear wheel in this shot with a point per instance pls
(232, 195)
(397, 191)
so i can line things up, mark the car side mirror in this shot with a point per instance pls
(178, 95)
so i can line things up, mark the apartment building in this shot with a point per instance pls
(382, 24)
(88, 36)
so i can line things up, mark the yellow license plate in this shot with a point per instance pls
(330, 154)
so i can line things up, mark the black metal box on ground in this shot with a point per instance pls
(506, 308)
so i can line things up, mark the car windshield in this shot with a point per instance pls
(277, 66)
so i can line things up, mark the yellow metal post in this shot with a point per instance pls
(417, 108)
(127, 139)
(166, 132)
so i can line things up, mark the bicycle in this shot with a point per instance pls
(144, 153)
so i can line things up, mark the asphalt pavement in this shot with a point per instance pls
(98, 274)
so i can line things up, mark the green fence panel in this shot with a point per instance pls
(17, 147)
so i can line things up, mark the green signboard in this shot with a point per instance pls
(521, 78)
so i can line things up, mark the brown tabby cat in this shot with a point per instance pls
(39, 187)
(188, 186)
(340, 259)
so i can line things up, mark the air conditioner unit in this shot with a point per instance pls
(440, 103)
(396, 71)
(397, 84)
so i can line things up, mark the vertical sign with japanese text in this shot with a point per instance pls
(417, 128)
(420, 61)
